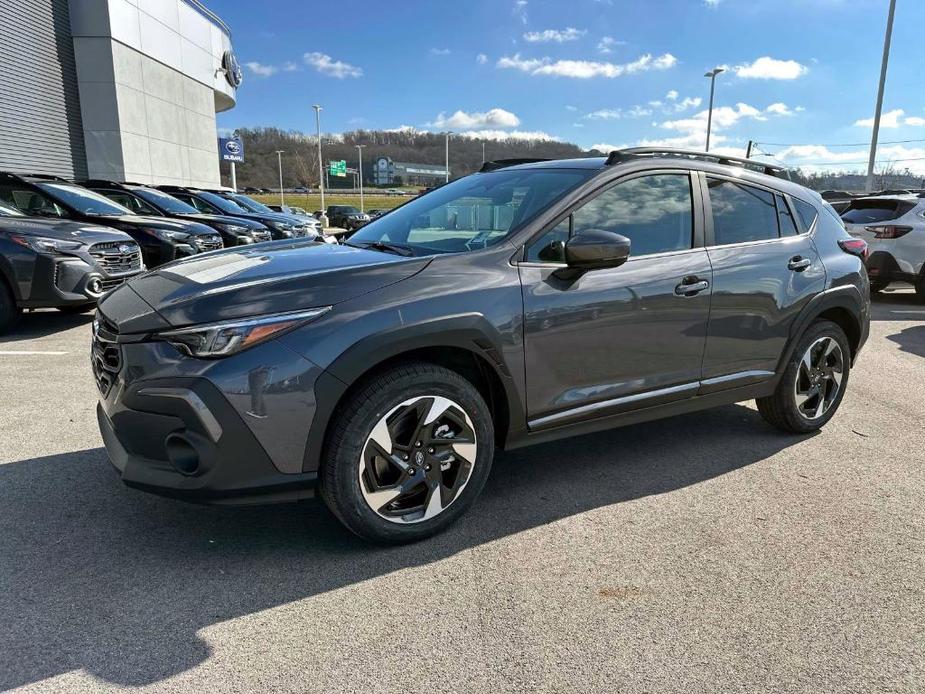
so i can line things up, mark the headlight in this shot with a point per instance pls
(279, 226)
(41, 244)
(212, 340)
(168, 234)
(232, 228)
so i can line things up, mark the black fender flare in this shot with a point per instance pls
(847, 297)
(8, 279)
(470, 332)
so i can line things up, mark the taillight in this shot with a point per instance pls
(889, 231)
(856, 247)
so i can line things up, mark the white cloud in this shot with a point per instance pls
(892, 119)
(332, 68)
(520, 10)
(672, 95)
(571, 108)
(586, 69)
(261, 70)
(556, 35)
(818, 158)
(494, 118)
(508, 135)
(439, 51)
(767, 68)
(405, 129)
(606, 44)
(692, 131)
(290, 66)
(780, 109)
(687, 102)
(711, 3)
(481, 58)
(606, 148)
(617, 113)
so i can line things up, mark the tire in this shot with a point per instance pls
(878, 286)
(810, 392)
(74, 309)
(9, 311)
(386, 496)
(920, 288)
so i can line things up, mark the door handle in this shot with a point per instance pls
(691, 286)
(798, 263)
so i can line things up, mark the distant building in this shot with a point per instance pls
(387, 172)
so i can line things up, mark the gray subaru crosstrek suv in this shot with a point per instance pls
(530, 301)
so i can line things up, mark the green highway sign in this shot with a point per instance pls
(337, 168)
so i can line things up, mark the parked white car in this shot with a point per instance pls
(894, 228)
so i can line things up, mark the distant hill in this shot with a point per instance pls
(300, 157)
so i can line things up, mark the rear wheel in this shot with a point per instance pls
(920, 287)
(407, 454)
(813, 383)
(9, 311)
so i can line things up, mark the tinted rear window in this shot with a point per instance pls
(806, 212)
(871, 211)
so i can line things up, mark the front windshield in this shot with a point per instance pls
(83, 200)
(9, 211)
(473, 212)
(224, 204)
(251, 204)
(166, 202)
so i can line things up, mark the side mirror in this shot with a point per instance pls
(596, 249)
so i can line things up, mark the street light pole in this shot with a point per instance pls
(279, 158)
(320, 163)
(360, 171)
(448, 133)
(712, 75)
(483, 151)
(887, 38)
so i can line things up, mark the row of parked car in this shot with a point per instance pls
(65, 244)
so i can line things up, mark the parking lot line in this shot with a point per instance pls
(21, 353)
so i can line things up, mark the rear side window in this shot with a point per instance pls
(873, 210)
(653, 212)
(741, 213)
(788, 227)
(806, 212)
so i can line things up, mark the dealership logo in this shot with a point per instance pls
(232, 147)
(125, 249)
(233, 72)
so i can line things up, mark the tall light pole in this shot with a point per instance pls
(448, 133)
(483, 151)
(883, 63)
(320, 164)
(279, 159)
(360, 171)
(712, 75)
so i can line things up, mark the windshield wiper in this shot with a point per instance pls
(384, 246)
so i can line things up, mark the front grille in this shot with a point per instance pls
(261, 236)
(117, 257)
(105, 355)
(209, 243)
(113, 283)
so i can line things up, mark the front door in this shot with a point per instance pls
(619, 338)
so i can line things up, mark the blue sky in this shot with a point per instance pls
(593, 72)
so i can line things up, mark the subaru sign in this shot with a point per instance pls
(231, 149)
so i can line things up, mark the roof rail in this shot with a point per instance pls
(504, 163)
(619, 156)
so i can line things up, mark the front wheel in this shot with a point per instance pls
(407, 454)
(9, 311)
(813, 383)
(920, 287)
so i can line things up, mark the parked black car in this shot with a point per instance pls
(161, 240)
(300, 225)
(346, 217)
(210, 202)
(521, 304)
(145, 200)
(47, 263)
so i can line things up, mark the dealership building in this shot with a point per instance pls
(387, 172)
(115, 89)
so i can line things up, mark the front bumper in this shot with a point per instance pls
(229, 431)
(68, 281)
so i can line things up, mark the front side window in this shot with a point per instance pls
(471, 213)
(30, 202)
(654, 212)
(741, 213)
(164, 201)
(251, 205)
(129, 201)
(224, 204)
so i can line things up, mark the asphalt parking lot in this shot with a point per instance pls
(702, 553)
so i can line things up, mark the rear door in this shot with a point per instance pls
(765, 270)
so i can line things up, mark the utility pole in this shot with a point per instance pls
(279, 158)
(712, 75)
(360, 172)
(483, 151)
(748, 150)
(448, 133)
(324, 219)
(887, 38)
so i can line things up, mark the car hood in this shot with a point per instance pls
(252, 280)
(250, 224)
(55, 229)
(187, 227)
